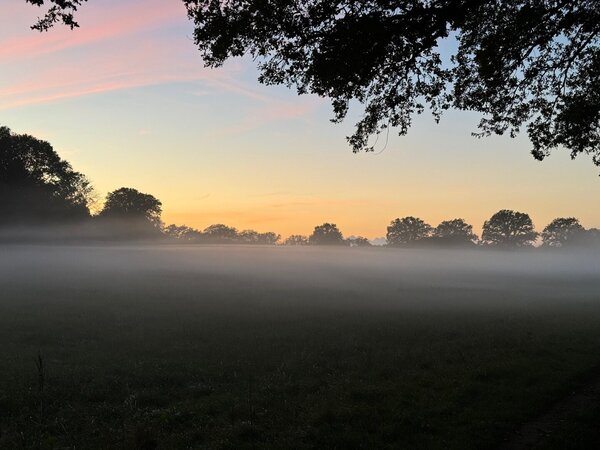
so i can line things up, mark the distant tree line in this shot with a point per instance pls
(505, 229)
(220, 234)
(38, 188)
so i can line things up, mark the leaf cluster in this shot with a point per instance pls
(522, 64)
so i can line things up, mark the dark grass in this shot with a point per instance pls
(180, 359)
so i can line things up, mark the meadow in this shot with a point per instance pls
(232, 347)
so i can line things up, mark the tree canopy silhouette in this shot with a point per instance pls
(358, 241)
(131, 205)
(182, 232)
(508, 229)
(58, 11)
(296, 239)
(36, 185)
(254, 237)
(455, 231)
(531, 64)
(326, 234)
(563, 231)
(220, 234)
(407, 230)
(521, 63)
(268, 238)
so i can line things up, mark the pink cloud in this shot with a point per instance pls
(105, 74)
(121, 45)
(103, 65)
(98, 24)
(95, 88)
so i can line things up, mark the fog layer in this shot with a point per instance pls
(251, 278)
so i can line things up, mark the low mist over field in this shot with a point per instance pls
(313, 277)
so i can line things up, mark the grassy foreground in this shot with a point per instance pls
(178, 358)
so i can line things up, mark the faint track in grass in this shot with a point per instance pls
(558, 427)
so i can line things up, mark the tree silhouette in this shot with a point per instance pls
(296, 239)
(268, 238)
(326, 234)
(509, 228)
(248, 237)
(129, 205)
(520, 63)
(58, 11)
(358, 241)
(220, 234)
(407, 230)
(36, 185)
(183, 233)
(455, 231)
(254, 237)
(562, 231)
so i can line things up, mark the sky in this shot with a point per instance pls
(127, 100)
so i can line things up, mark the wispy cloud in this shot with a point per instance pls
(86, 89)
(112, 22)
(121, 46)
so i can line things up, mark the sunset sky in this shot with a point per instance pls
(127, 101)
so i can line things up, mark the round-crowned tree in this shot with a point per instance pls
(130, 205)
(407, 230)
(455, 231)
(509, 228)
(562, 231)
(220, 234)
(326, 234)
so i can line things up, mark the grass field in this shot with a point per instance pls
(278, 348)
